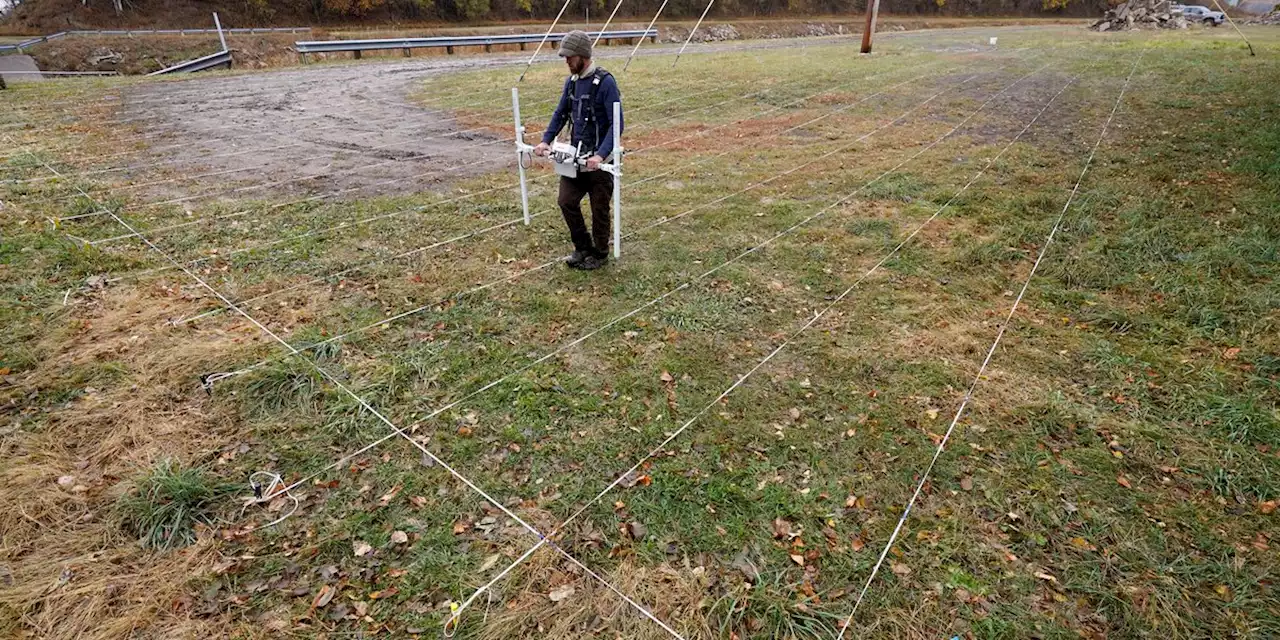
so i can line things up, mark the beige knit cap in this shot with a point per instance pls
(575, 43)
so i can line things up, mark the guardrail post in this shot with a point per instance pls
(408, 53)
(488, 48)
(357, 54)
(449, 49)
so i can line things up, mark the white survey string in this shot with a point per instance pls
(743, 378)
(337, 382)
(964, 403)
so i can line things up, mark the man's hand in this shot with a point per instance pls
(593, 163)
(542, 149)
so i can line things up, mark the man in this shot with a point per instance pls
(587, 107)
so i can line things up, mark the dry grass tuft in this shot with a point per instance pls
(69, 570)
(676, 595)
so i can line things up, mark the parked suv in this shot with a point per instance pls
(1197, 13)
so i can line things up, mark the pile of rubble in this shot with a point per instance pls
(1141, 14)
(712, 33)
(1270, 18)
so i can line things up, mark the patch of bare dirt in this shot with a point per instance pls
(310, 131)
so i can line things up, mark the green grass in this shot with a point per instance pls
(1123, 443)
(169, 502)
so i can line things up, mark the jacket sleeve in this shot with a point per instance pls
(608, 95)
(559, 117)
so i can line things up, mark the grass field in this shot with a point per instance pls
(722, 427)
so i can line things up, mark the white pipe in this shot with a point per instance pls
(617, 180)
(543, 40)
(606, 24)
(218, 23)
(646, 30)
(695, 30)
(520, 150)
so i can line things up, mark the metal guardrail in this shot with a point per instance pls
(130, 32)
(199, 64)
(449, 42)
(183, 32)
(32, 42)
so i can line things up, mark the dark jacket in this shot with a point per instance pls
(593, 126)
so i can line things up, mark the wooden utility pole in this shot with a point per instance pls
(873, 8)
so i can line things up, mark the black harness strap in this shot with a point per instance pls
(597, 77)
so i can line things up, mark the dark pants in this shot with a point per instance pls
(599, 185)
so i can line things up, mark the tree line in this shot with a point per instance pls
(462, 10)
(320, 11)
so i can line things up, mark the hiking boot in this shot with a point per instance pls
(576, 259)
(592, 262)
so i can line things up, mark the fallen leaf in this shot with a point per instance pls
(797, 558)
(1081, 543)
(1260, 542)
(966, 483)
(1268, 507)
(666, 377)
(560, 593)
(1232, 353)
(899, 569)
(781, 528)
(361, 548)
(390, 495)
(1124, 482)
(385, 593)
(464, 431)
(1044, 576)
(323, 598)
(489, 562)
(932, 413)
(418, 501)
(399, 537)
(638, 531)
